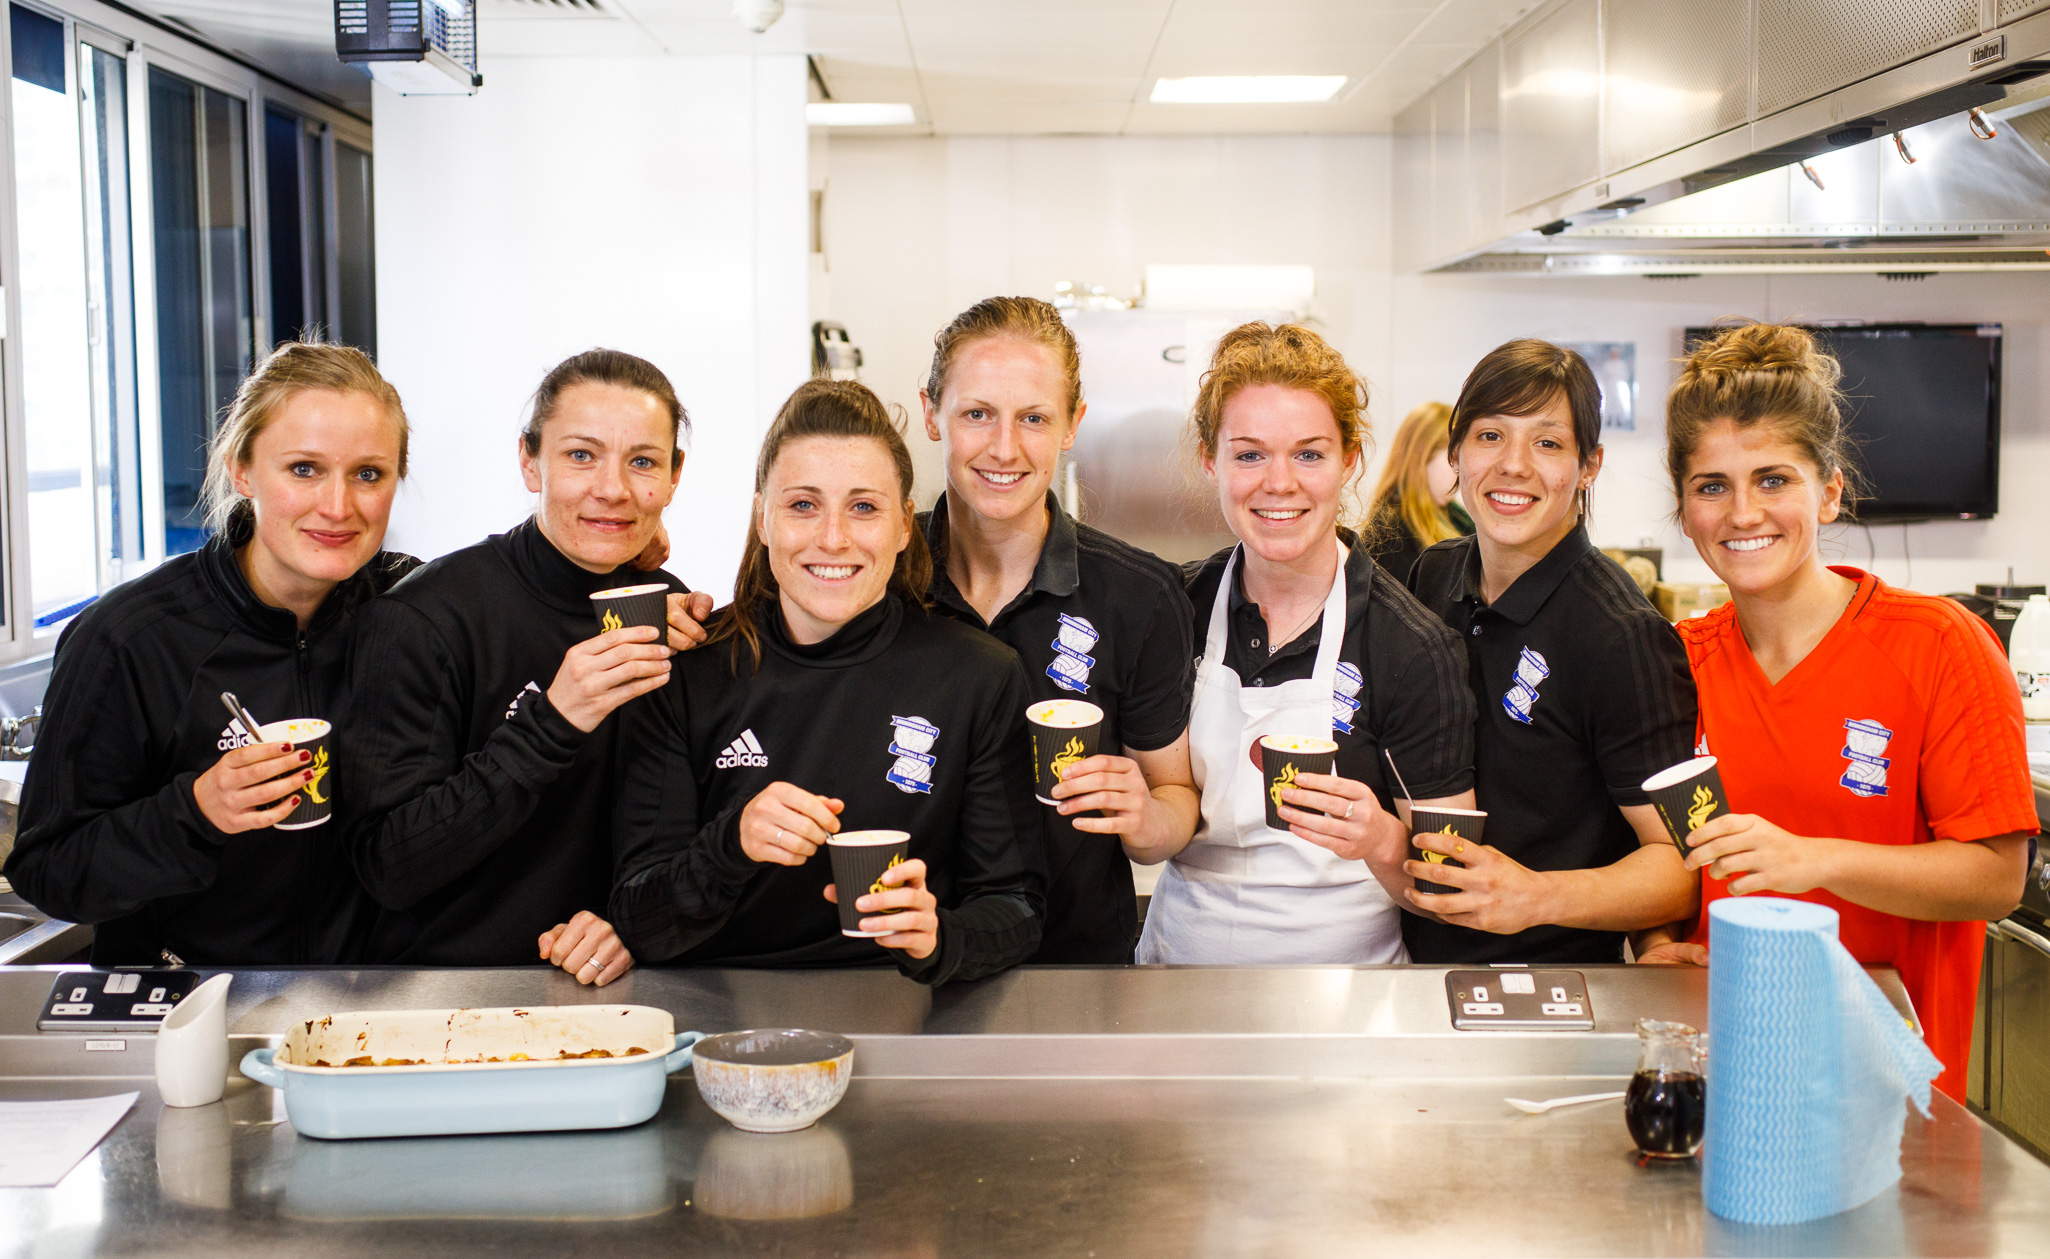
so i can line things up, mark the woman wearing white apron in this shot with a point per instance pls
(1302, 635)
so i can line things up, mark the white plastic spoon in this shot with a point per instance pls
(1539, 1108)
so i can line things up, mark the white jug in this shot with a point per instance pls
(2028, 653)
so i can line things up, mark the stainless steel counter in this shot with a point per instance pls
(1142, 1111)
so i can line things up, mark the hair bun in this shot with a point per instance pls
(1765, 347)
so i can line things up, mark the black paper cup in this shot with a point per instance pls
(859, 859)
(1687, 796)
(316, 798)
(633, 605)
(1064, 731)
(1282, 758)
(1467, 824)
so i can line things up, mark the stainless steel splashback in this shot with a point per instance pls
(1134, 463)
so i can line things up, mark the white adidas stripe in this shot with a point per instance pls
(748, 737)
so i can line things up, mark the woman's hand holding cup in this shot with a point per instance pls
(600, 674)
(785, 824)
(1113, 784)
(1348, 820)
(252, 787)
(904, 909)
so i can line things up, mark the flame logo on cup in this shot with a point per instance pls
(896, 859)
(1065, 757)
(1439, 858)
(1704, 804)
(319, 776)
(610, 621)
(1282, 782)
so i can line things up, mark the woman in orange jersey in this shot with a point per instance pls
(1870, 737)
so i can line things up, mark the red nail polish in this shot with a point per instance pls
(285, 746)
(309, 775)
(305, 756)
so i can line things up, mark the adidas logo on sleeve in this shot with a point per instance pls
(746, 751)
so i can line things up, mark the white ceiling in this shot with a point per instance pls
(968, 66)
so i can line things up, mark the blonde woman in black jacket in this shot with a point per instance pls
(148, 811)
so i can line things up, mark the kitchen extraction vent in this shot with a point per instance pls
(414, 47)
(2011, 9)
(1808, 48)
(516, 9)
(1675, 71)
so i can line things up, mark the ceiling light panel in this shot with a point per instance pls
(1247, 89)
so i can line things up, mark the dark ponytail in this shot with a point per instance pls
(819, 408)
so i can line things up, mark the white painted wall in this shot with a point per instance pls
(651, 204)
(917, 229)
(1442, 324)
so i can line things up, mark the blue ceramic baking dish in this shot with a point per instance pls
(492, 1070)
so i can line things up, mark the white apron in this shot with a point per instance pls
(1242, 892)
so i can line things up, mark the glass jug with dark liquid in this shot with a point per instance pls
(1667, 1102)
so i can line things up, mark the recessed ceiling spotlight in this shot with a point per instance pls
(853, 114)
(1247, 89)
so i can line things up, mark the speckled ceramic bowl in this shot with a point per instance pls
(773, 1079)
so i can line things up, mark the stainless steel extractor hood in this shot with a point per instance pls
(1782, 167)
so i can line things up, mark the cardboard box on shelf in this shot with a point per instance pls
(1679, 600)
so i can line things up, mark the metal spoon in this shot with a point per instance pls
(1539, 1108)
(241, 714)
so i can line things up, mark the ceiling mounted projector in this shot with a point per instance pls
(758, 15)
(413, 47)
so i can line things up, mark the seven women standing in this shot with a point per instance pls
(483, 804)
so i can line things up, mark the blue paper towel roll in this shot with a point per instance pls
(1807, 1070)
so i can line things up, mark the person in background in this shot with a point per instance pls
(1582, 688)
(1302, 634)
(150, 812)
(830, 697)
(1414, 507)
(1871, 736)
(481, 749)
(1092, 617)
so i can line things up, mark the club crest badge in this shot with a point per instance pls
(1345, 696)
(1865, 756)
(911, 742)
(1072, 661)
(1519, 699)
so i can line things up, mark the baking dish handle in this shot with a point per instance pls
(257, 1065)
(679, 1058)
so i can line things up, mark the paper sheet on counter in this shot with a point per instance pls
(40, 1142)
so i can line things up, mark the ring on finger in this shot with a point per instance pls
(779, 836)
(593, 962)
(1348, 811)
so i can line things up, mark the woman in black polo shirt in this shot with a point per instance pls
(829, 697)
(1302, 634)
(1093, 617)
(1583, 689)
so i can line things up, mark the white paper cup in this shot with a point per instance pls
(192, 1047)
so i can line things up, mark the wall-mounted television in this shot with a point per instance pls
(1923, 405)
